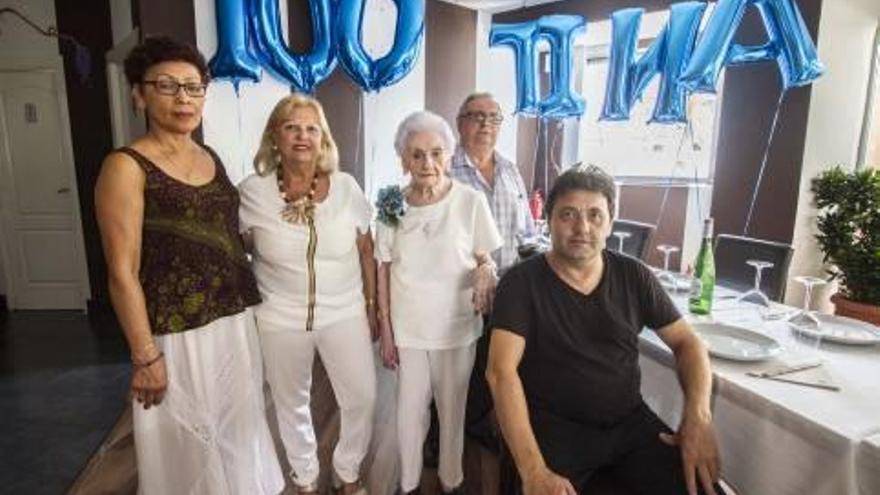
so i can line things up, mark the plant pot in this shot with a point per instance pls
(860, 311)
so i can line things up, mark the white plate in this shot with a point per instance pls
(736, 343)
(841, 330)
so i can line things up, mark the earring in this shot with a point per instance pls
(276, 155)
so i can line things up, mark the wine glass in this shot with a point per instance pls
(621, 236)
(666, 275)
(541, 228)
(755, 294)
(805, 318)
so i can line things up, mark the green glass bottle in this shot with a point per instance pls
(703, 287)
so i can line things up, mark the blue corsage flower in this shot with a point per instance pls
(390, 205)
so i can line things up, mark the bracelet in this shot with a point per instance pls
(150, 362)
(370, 302)
(149, 346)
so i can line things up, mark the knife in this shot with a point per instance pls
(786, 369)
(823, 386)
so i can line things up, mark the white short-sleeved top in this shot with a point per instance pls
(279, 252)
(431, 252)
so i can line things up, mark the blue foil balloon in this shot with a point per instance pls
(369, 74)
(796, 53)
(233, 61)
(559, 31)
(667, 56)
(303, 72)
(789, 44)
(520, 37)
(680, 36)
(622, 68)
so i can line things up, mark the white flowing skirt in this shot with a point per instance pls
(209, 435)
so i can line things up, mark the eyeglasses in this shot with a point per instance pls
(170, 87)
(483, 118)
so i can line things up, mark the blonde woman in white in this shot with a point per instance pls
(309, 228)
(436, 277)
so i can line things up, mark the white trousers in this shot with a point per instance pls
(346, 352)
(443, 375)
(209, 436)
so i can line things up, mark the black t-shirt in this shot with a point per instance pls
(581, 354)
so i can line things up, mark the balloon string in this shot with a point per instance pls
(357, 146)
(547, 152)
(670, 178)
(556, 137)
(697, 185)
(241, 147)
(758, 182)
(535, 157)
(372, 162)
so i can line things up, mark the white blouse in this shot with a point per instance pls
(279, 252)
(431, 252)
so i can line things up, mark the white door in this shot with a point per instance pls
(40, 222)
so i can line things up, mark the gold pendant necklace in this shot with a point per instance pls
(301, 210)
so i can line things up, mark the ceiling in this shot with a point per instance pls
(497, 5)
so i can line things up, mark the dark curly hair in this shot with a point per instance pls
(582, 178)
(157, 49)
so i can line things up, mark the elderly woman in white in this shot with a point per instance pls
(436, 277)
(309, 227)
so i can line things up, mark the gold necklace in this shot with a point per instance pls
(301, 210)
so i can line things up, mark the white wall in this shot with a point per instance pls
(21, 42)
(496, 73)
(837, 104)
(232, 124)
(120, 19)
(385, 109)
(21, 46)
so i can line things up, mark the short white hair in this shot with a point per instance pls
(423, 121)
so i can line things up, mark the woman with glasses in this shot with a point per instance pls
(436, 277)
(309, 226)
(182, 287)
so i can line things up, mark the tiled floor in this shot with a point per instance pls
(63, 382)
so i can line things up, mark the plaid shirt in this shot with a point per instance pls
(507, 198)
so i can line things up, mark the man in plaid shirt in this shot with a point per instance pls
(477, 164)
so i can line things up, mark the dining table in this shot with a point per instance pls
(777, 437)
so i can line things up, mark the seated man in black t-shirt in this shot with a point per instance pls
(563, 361)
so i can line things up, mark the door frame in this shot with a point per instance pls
(55, 66)
(119, 93)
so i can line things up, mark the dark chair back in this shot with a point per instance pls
(731, 270)
(639, 238)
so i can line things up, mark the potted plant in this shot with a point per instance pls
(849, 235)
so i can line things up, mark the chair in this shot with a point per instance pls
(731, 270)
(639, 238)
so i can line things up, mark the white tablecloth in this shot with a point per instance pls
(779, 438)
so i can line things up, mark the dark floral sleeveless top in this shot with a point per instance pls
(193, 266)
